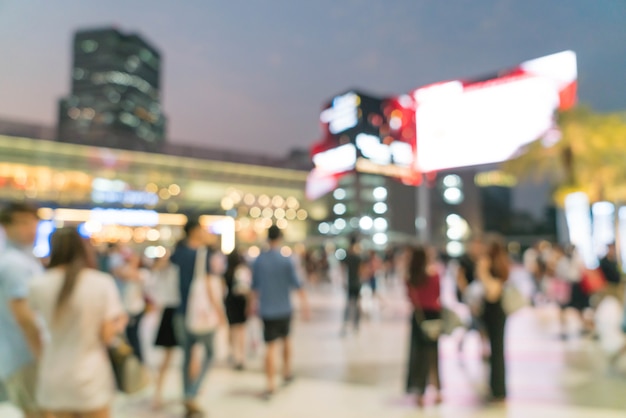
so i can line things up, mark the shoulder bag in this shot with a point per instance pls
(512, 299)
(201, 317)
(130, 375)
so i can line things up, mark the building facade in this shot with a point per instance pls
(143, 199)
(377, 209)
(115, 98)
(485, 199)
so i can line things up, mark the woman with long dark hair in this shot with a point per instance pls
(493, 271)
(83, 313)
(424, 287)
(238, 280)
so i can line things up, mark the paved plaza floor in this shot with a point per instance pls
(361, 375)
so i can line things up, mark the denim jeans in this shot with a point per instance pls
(187, 340)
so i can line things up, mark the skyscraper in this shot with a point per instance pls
(115, 99)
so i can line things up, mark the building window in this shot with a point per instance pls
(88, 46)
(132, 63)
(145, 55)
(79, 74)
(74, 113)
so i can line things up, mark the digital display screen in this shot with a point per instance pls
(465, 124)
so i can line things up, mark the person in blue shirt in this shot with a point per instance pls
(20, 342)
(273, 278)
(184, 257)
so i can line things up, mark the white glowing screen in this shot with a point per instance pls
(464, 125)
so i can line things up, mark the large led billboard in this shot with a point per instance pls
(445, 125)
(461, 124)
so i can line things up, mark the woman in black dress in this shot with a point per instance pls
(238, 281)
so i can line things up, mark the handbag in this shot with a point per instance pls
(431, 328)
(130, 375)
(593, 281)
(201, 317)
(512, 299)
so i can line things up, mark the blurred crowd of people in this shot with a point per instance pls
(60, 321)
(561, 276)
(486, 282)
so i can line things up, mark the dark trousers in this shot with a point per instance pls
(495, 321)
(132, 334)
(353, 310)
(423, 357)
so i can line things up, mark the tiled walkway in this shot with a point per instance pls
(362, 375)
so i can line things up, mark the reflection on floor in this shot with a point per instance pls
(362, 374)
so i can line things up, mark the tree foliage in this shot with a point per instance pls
(590, 156)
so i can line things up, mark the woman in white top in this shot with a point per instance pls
(83, 313)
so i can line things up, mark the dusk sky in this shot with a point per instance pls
(252, 75)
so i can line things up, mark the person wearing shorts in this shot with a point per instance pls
(273, 278)
(276, 329)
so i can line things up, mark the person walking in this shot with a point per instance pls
(273, 278)
(571, 267)
(130, 278)
(165, 292)
(424, 289)
(352, 267)
(467, 291)
(238, 280)
(492, 270)
(83, 313)
(194, 264)
(20, 342)
(611, 271)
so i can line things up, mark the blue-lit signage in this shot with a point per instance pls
(117, 191)
(125, 217)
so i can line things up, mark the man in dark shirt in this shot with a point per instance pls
(611, 272)
(353, 265)
(184, 257)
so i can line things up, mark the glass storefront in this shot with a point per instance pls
(145, 199)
